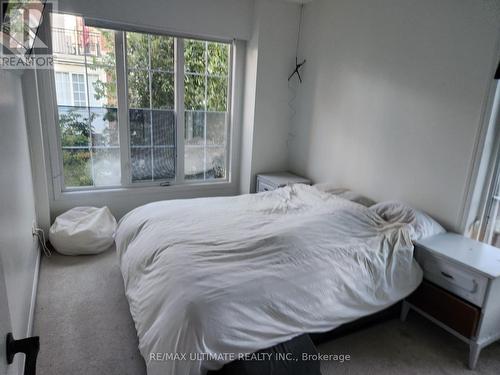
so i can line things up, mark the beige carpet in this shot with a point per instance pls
(85, 328)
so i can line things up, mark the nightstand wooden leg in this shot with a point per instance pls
(405, 308)
(474, 350)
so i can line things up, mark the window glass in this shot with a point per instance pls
(85, 81)
(206, 78)
(491, 223)
(95, 99)
(63, 89)
(151, 102)
(151, 99)
(493, 228)
(79, 92)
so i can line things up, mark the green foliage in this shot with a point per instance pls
(218, 57)
(137, 50)
(203, 92)
(77, 168)
(162, 53)
(75, 128)
(194, 56)
(138, 89)
(200, 59)
(143, 50)
(194, 92)
(75, 140)
(162, 90)
(217, 94)
(107, 62)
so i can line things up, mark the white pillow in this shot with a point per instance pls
(345, 194)
(397, 212)
(328, 187)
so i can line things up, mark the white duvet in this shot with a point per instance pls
(213, 276)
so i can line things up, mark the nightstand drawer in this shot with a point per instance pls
(463, 282)
(262, 186)
(447, 308)
(461, 288)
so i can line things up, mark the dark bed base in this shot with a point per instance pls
(273, 364)
(302, 344)
(357, 325)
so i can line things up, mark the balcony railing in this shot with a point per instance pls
(75, 42)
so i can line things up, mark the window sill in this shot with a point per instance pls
(168, 191)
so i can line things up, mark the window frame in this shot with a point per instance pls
(231, 157)
(490, 199)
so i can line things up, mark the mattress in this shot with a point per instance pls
(211, 280)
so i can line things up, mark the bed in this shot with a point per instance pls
(209, 280)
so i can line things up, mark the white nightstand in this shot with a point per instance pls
(271, 181)
(461, 289)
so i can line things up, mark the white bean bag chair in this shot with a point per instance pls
(83, 230)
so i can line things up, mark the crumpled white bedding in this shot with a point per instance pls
(239, 274)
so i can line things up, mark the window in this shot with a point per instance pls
(151, 103)
(167, 103)
(63, 88)
(492, 222)
(483, 219)
(95, 99)
(205, 97)
(79, 92)
(87, 105)
(490, 228)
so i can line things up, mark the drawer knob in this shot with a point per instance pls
(476, 286)
(474, 282)
(447, 275)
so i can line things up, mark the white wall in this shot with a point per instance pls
(18, 250)
(393, 97)
(270, 59)
(216, 18)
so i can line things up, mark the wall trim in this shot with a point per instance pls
(477, 152)
(34, 291)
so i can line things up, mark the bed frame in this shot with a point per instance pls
(305, 344)
(392, 312)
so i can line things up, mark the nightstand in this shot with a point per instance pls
(271, 181)
(461, 289)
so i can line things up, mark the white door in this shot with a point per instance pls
(5, 326)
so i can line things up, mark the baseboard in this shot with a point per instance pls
(34, 289)
(31, 316)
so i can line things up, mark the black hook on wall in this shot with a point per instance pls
(297, 64)
(29, 346)
(296, 71)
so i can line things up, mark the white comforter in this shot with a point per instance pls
(237, 274)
